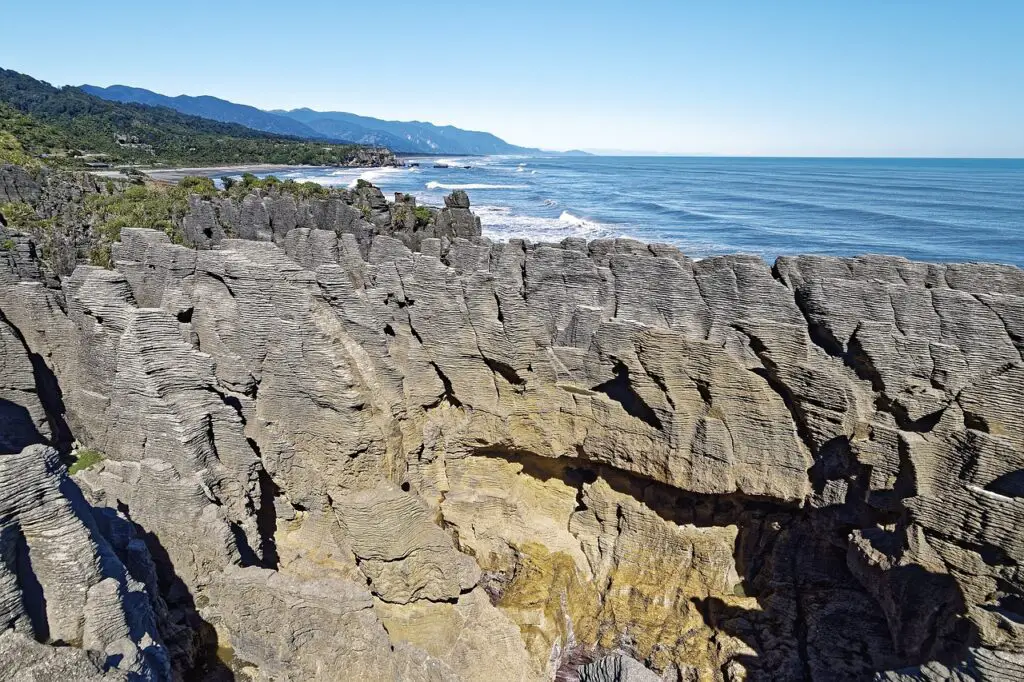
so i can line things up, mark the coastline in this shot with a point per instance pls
(176, 174)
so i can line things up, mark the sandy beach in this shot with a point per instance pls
(176, 174)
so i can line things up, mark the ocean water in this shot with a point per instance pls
(924, 209)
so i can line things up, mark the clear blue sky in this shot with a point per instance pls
(771, 77)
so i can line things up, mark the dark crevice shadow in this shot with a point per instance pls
(52, 399)
(13, 544)
(196, 652)
(266, 519)
(816, 620)
(620, 389)
(49, 395)
(668, 502)
(1008, 485)
(17, 429)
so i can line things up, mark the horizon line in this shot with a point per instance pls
(712, 155)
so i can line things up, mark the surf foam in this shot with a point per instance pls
(500, 223)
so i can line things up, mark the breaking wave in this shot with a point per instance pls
(344, 177)
(374, 174)
(500, 223)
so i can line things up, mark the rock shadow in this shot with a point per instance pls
(815, 620)
(196, 651)
(191, 641)
(50, 397)
(17, 560)
(17, 429)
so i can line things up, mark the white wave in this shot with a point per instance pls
(456, 162)
(374, 174)
(500, 223)
(342, 177)
(571, 219)
(434, 184)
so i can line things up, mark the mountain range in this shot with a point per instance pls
(412, 137)
(69, 127)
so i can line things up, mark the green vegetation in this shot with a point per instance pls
(86, 458)
(72, 128)
(423, 216)
(300, 190)
(23, 139)
(160, 207)
(192, 184)
(7, 245)
(304, 190)
(23, 218)
(362, 184)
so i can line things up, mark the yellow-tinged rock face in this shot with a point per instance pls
(576, 563)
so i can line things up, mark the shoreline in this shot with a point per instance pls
(176, 174)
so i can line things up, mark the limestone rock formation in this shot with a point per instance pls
(62, 582)
(17, 185)
(339, 449)
(455, 219)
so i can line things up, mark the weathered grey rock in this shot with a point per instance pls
(617, 669)
(23, 659)
(409, 557)
(17, 185)
(502, 457)
(23, 419)
(457, 199)
(200, 225)
(19, 258)
(281, 628)
(455, 219)
(61, 581)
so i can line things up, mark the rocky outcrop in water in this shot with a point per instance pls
(524, 461)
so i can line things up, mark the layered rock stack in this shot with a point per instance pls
(346, 459)
(455, 219)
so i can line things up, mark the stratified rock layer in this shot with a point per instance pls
(489, 461)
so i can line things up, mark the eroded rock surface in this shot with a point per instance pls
(477, 461)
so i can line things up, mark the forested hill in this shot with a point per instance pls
(411, 137)
(67, 125)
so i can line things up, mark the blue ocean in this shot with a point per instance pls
(924, 209)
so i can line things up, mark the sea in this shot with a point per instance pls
(939, 210)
